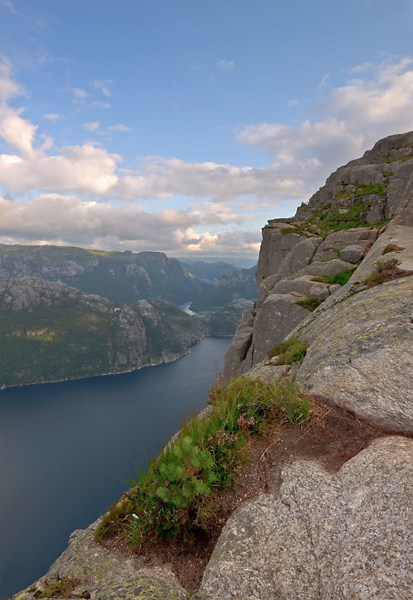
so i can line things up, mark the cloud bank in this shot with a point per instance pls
(83, 194)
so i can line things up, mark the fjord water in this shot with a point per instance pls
(67, 450)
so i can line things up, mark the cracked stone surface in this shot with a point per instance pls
(342, 536)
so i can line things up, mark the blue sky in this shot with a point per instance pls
(183, 126)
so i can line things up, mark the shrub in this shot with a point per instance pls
(385, 271)
(392, 248)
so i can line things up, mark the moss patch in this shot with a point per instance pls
(289, 351)
(309, 303)
(338, 279)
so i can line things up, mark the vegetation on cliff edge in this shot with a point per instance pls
(177, 496)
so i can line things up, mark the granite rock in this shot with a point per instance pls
(341, 536)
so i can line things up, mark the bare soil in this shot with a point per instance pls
(331, 437)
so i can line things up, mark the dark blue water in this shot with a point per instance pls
(67, 450)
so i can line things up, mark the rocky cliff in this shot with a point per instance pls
(338, 277)
(50, 332)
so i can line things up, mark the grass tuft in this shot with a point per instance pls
(289, 351)
(340, 278)
(309, 303)
(386, 271)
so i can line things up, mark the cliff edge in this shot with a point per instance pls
(337, 277)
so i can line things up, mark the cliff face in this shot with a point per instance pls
(50, 331)
(307, 260)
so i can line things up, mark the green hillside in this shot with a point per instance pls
(51, 332)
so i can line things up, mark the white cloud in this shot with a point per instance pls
(8, 87)
(226, 65)
(17, 132)
(99, 104)
(91, 126)
(79, 95)
(72, 189)
(53, 116)
(51, 218)
(352, 118)
(102, 85)
(119, 127)
(9, 6)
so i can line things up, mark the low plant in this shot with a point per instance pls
(309, 303)
(289, 351)
(392, 248)
(338, 279)
(181, 491)
(385, 271)
(56, 588)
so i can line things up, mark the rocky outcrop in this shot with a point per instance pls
(89, 571)
(340, 229)
(51, 332)
(341, 536)
(361, 355)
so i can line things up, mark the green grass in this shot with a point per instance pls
(325, 220)
(340, 278)
(402, 159)
(289, 351)
(309, 303)
(179, 494)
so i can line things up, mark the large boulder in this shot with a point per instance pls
(274, 248)
(345, 536)
(278, 316)
(361, 354)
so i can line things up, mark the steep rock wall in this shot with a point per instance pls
(342, 227)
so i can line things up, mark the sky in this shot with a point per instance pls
(183, 126)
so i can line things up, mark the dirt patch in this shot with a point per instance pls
(331, 437)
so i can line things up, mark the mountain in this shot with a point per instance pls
(225, 288)
(207, 270)
(224, 322)
(122, 277)
(235, 261)
(51, 332)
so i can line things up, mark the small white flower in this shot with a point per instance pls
(135, 516)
